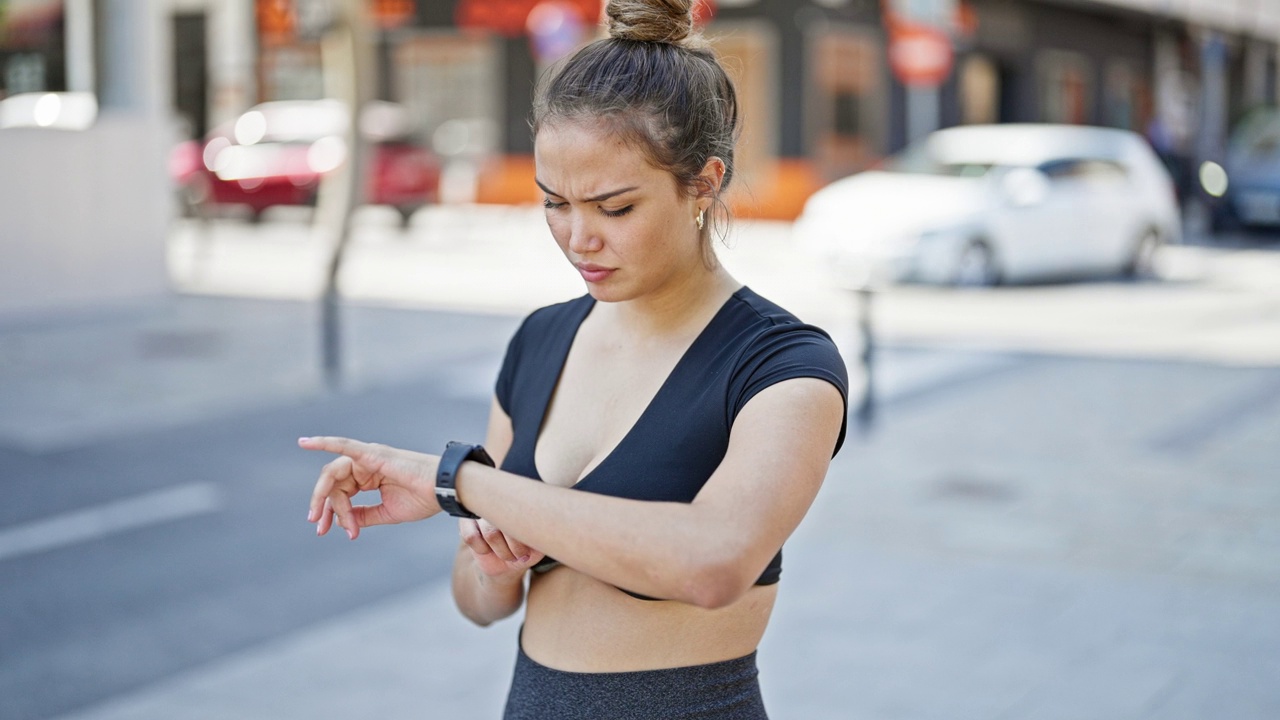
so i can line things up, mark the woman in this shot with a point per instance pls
(680, 424)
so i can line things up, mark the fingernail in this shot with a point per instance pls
(351, 534)
(523, 559)
(311, 516)
(303, 440)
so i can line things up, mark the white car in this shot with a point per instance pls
(986, 204)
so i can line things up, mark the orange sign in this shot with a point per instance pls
(276, 20)
(394, 13)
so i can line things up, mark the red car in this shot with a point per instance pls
(277, 152)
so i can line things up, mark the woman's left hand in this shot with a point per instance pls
(406, 481)
(497, 555)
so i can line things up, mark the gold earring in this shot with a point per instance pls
(699, 219)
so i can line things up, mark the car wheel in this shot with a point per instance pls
(976, 266)
(1142, 263)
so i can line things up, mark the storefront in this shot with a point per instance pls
(1039, 62)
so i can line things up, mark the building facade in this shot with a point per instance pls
(819, 97)
(85, 212)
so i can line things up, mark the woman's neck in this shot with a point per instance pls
(685, 305)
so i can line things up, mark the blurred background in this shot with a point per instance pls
(1044, 233)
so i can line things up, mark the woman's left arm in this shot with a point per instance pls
(708, 552)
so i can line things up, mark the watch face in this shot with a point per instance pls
(479, 454)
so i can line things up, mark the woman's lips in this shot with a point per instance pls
(594, 273)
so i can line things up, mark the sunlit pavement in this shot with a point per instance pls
(1065, 508)
(1209, 303)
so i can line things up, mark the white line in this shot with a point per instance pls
(103, 520)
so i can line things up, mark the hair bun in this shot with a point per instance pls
(662, 21)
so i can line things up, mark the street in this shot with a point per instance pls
(1067, 505)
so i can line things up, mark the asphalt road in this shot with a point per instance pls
(132, 549)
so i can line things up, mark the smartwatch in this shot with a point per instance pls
(456, 453)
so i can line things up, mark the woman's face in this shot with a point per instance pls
(627, 226)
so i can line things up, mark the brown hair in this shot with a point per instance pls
(657, 83)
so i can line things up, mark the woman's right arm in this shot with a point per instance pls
(489, 568)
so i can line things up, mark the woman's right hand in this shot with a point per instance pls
(496, 555)
(404, 479)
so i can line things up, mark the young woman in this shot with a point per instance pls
(657, 440)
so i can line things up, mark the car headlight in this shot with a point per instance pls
(1213, 178)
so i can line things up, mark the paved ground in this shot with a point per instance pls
(1215, 304)
(1050, 519)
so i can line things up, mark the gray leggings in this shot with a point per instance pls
(727, 690)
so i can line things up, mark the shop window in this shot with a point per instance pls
(46, 64)
(749, 51)
(846, 104)
(848, 116)
(1064, 87)
(1126, 97)
(979, 91)
(190, 58)
(452, 87)
(292, 72)
(32, 48)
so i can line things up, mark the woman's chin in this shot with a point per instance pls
(608, 292)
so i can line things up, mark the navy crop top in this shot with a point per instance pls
(682, 436)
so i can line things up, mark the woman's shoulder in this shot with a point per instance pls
(766, 317)
(766, 334)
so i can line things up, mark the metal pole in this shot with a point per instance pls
(923, 110)
(867, 405)
(348, 60)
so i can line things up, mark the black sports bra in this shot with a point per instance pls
(682, 436)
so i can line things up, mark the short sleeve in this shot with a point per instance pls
(785, 352)
(504, 387)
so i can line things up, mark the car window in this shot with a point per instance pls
(1258, 133)
(1087, 170)
(922, 164)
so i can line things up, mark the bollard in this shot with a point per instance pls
(866, 412)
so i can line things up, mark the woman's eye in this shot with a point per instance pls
(617, 213)
(552, 205)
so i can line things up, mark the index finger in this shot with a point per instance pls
(353, 449)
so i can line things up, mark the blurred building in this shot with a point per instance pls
(82, 211)
(821, 93)
(827, 87)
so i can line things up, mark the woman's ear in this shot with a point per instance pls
(710, 179)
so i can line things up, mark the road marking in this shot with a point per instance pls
(98, 522)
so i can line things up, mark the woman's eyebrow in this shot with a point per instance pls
(598, 198)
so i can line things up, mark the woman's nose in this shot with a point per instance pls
(583, 237)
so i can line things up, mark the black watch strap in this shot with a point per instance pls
(456, 453)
